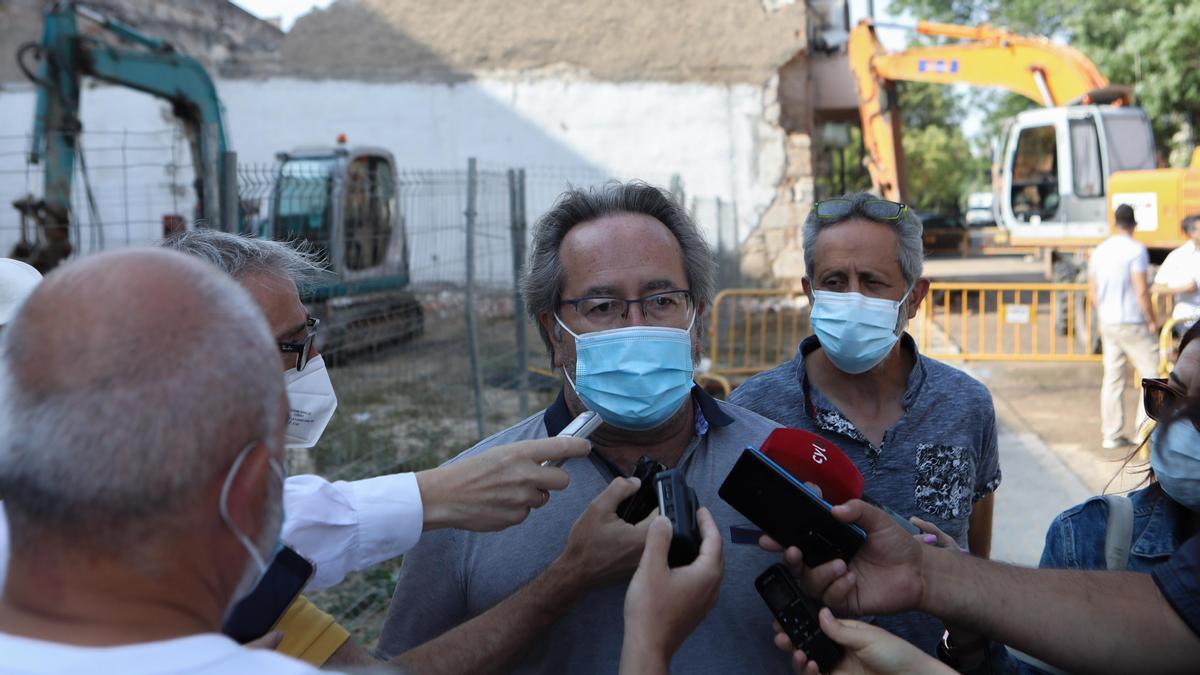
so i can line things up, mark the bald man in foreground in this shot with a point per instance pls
(143, 409)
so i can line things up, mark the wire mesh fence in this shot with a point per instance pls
(420, 319)
(126, 185)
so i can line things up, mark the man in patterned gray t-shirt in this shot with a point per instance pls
(922, 433)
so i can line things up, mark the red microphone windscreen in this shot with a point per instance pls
(812, 459)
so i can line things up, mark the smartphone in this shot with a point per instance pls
(643, 502)
(788, 510)
(257, 613)
(797, 615)
(677, 501)
(580, 427)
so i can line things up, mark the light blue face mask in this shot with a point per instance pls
(242, 538)
(1175, 458)
(855, 331)
(634, 377)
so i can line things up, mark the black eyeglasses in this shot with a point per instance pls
(880, 209)
(302, 349)
(669, 308)
(1161, 398)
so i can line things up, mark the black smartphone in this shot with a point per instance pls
(677, 501)
(257, 613)
(787, 510)
(643, 502)
(797, 615)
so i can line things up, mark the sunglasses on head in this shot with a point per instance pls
(879, 209)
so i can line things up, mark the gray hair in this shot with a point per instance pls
(239, 255)
(910, 250)
(114, 428)
(542, 281)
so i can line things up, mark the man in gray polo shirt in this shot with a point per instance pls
(922, 433)
(618, 280)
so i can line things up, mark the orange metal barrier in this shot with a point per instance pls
(1007, 322)
(751, 330)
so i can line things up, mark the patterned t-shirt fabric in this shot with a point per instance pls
(935, 463)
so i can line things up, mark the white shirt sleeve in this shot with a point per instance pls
(1171, 272)
(348, 526)
(1141, 262)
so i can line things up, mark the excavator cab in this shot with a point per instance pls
(343, 203)
(1055, 164)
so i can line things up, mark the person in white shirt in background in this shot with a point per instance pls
(1179, 275)
(347, 526)
(143, 416)
(1128, 327)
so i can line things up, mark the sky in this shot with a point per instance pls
(287, 10)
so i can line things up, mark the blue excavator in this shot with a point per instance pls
(341, 202)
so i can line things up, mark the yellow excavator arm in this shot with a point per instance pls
(1034, 67)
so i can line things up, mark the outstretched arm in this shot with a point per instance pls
(1088, 621)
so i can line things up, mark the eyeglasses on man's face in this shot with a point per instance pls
(880, 209)
(670, 309)
(303, 349)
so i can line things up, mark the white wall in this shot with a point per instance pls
(714, 136)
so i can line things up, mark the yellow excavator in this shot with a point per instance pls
(1062, 169)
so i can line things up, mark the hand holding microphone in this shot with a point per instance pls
(813, 459)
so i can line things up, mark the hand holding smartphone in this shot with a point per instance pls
(788, 510)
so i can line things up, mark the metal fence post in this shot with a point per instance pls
(472, 331)
(229, 194)
(516, 201)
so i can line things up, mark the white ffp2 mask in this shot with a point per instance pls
(311, 403)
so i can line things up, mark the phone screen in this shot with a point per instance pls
(257, 613)
(787, 510)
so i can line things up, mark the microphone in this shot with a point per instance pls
(809, 458)
(812, 459)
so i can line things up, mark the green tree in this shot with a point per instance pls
(939, 163)
(940, 167)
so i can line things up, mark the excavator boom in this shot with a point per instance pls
(1034, 67)
(153, 67)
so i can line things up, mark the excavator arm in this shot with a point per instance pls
(1040, 70)
(153, 67)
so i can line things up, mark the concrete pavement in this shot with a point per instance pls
(1036, 487)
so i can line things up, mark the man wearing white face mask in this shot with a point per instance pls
(922, 433)
(619, 280)
(351, 525)
(137, 523)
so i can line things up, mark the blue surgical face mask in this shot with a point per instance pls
(1175, 458)
(855, 331)
(635, 377)
(252, 550)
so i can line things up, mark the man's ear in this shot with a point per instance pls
(917, 296)
(546, 319)
(807, 286)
